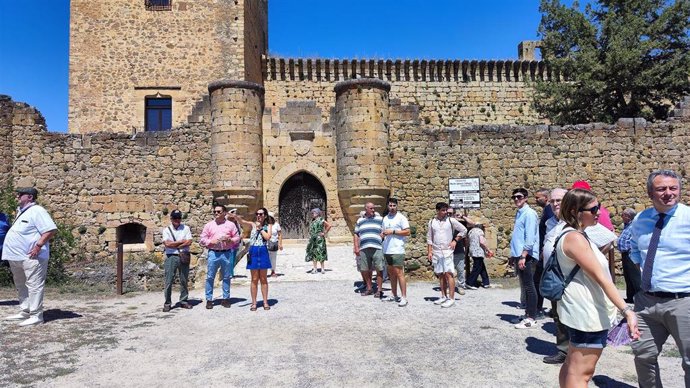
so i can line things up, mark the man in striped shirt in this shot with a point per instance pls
(368, 248)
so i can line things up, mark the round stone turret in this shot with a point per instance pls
(236, 151)
(362, 120)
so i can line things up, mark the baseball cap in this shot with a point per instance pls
(581, 185)
(27, 190)
(176, 214)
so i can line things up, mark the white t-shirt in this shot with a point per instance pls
(274, 231)
(25, 233)
(394, 244)
(182, 233)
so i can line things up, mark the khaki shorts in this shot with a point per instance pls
(370, 259)
(395, 260)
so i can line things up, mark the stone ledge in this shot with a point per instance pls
(227, 83)
(342, 86)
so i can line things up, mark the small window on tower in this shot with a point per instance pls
(158, 114)
(158, 5)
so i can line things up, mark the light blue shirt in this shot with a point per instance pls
(525, 233)
(671, 271)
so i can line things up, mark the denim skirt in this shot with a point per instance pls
(258, 257)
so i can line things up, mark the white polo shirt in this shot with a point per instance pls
(25, 233)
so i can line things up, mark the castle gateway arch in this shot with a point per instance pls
(300, 193)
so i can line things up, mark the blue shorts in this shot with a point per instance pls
(587, 339)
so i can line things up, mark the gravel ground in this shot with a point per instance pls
(319, 332)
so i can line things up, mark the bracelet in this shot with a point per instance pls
(625, 310)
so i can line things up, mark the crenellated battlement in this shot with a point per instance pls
(333, 70)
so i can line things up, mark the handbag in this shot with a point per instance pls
(185, 256)
(272, 245)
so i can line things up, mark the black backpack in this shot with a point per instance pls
(553, 282)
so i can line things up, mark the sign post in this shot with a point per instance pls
(464, 193)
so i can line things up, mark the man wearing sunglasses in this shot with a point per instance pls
(524, 249)
(220, 237)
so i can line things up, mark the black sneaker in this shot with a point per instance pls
(166, 308)
(557, 358)
(209, 304)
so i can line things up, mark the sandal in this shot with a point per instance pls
(378, 294)
(267, 307)
(253, 308)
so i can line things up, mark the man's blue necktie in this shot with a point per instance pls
(651, 252)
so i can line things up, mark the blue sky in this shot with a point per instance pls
(34, 37)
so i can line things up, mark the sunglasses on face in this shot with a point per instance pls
(217, 211)
(259, 213)
(516, 197)
(593, 209)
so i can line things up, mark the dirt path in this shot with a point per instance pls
(319, 332)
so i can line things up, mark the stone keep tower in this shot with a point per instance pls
(236, 153)
(125, 52)
(363, 158)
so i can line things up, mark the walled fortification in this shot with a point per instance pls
(448, 93)
(121, 52)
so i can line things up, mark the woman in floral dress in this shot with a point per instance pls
(316, 248)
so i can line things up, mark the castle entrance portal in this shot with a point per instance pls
(299, 194)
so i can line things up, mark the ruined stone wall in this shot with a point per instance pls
(120, 52)
(448, 93)
(7, 118)
(98, 182)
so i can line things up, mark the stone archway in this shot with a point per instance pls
(300, 193)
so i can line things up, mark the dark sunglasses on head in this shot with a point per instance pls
(593, 209)
(517, 197)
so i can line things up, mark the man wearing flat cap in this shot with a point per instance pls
(27, 249)
(177, 238)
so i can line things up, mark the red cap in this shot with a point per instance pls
(581, 185)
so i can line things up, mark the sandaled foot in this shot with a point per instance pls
(253, 308)
(266, 306)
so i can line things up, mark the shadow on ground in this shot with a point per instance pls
(607, 382)
(57, 314)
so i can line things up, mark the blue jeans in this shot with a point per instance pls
(224, 261)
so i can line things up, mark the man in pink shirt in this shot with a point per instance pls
(221, 238)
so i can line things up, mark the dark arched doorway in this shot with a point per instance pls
(299, 194)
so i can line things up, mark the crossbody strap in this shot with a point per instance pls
(576, 269)
(173, 237)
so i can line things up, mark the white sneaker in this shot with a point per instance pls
(402, 303)
(527, 323)
(31, 321)
(390, 298)
(448, 303)
(461, 291)
(22, 315)
(518, 319)
(471, 287)
(440, 300)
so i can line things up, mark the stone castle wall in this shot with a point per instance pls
(120, 52)
(448, 93)
(98, 182)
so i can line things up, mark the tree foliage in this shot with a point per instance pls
(620, 58)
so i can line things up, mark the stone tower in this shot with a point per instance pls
(123, 52)
(236, 153)
(362, 119)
